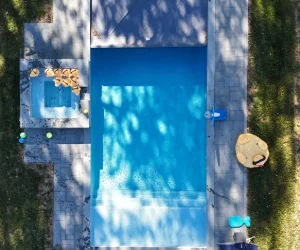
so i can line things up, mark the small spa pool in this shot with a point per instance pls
(148, 135)
(49, 101)
(56, 96)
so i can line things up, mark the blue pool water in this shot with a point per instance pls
(57, 96)
(148, 132)
(48, 101)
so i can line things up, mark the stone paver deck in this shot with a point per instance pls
(142, 23)
(68, 37)
(71, 184)
(64, 43)
(229, 33)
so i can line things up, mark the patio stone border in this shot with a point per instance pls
(210, 146)
(229, 64)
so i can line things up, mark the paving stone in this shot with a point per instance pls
(221, 89)
(56, 239)
(77, 210)
(68, 244)
(241, 4)
(235, 105)
(70, 237)
(67, 206)
(240, 126)
(78, 240)
(230, 186)
(60, 196)
(66, 174)
(59, 215)
(63, 234)
(56, 176)
(226, 45)
(226, 207)
(223, 4)
(70, 229)
(237, 95)
(221, 221)
(236, 115)
(224, 234)
(221, 102)
(56, 226)
(234, 81)
(78, 219)
(219, 76)
(78, 229)
(57, 205)
(70, 197)
(221, 161)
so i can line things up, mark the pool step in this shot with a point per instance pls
(153, 199)
(151, 194)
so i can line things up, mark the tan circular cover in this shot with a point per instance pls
(49, 72)
(66, 73)
(57, 81)
(250, 148)
(58, 72)
(34, 72)
(74, 72)
(66, 82)
(74, 82)
(76, 90)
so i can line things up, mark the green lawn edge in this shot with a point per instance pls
(271, 196)
(25, 209)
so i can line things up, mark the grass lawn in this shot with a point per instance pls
(25, 191)
(274, 190)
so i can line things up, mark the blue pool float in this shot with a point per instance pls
(238, 221)
(21, 140)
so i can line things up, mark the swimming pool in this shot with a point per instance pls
(48, 101)
(148, 132)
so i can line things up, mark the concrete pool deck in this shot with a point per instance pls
(144, 23)
(227, 85)
(227, 88)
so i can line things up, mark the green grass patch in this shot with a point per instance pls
(272, 197)
(25, 191)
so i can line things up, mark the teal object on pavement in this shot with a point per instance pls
(238, 221)
(23, 135)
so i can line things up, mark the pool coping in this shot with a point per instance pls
(210, 147)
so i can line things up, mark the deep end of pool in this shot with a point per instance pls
(148, 135)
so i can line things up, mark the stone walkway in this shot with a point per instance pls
(68, 37)
(71, 182)
(230, 93)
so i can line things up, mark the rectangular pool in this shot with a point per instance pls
(148, 132)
